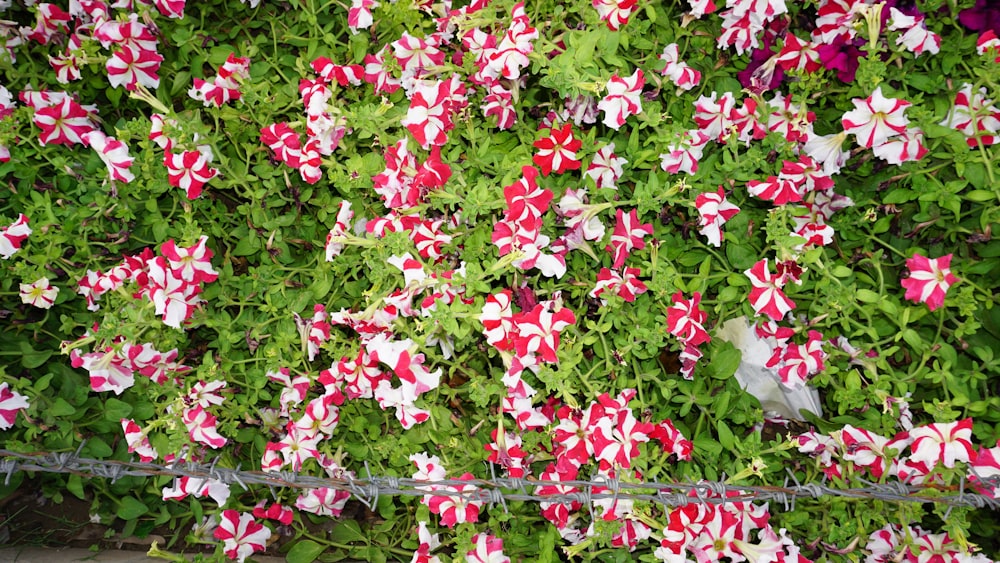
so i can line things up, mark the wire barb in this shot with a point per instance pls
(499, 490)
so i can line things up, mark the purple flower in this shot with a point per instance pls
(981, 17)
(842, 57)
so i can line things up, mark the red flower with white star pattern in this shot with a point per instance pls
(557, 152)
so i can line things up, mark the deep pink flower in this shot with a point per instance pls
(11, 402)
(929, 280)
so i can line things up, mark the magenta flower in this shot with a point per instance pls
(11, 403)
(929, 280)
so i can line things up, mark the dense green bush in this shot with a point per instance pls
(424, 236)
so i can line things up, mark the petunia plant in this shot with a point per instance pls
(499, 239)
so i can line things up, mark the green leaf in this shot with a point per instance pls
(726, 437)
(725, 360)
(741, 256)
(980, 196)
(321, 285)
(347, 531)
(60, 408)
(867, 296)
(841, 271)
(131, 508)
(74, 484)
(304, 551)
(975, 173)
(115, 410)
(31, 358)
(913, 339)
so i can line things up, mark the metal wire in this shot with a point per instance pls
(495, 490)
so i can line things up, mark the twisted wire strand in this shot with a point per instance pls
(497, 490)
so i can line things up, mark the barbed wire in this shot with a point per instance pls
(499, 490)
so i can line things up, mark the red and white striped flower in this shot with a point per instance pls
(131, 67)
(171, 8)
(984, 470)
(672, 440)
(428, 118)
(486, 549)
(192, 264)
(907, 147)
(557, 152)
(377, 75)
(108, 370)
(189, 170)
(942, 442)
(241, 535)
(415, 54)
(714, 117)
(526, 202)
(797, 54)
(793, 122)
(929, 280)
(626, 285)
(683, 156)
(113, 152)
(876, 119)
(201, 427)
(456, 508)
(343, 75)
(714, 210)
(627, 236)
(172, 297)
(225, 85)
(511, 52)
(275, 511)
(683, 76)
(616, 438)
(800, 361)
(915, 37)
(606, 168)
(975, 116)
(624, 98)
(359, 15)
(538, 331)
(766, 296)
(614, 12)
(499, 102)
(39, 293)
(497, 318)
(184, 486)
(323, 501)
(686, 321)
(284, 141)
(988, 43)
(63, 122)
(137, 441)
(11, 403)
